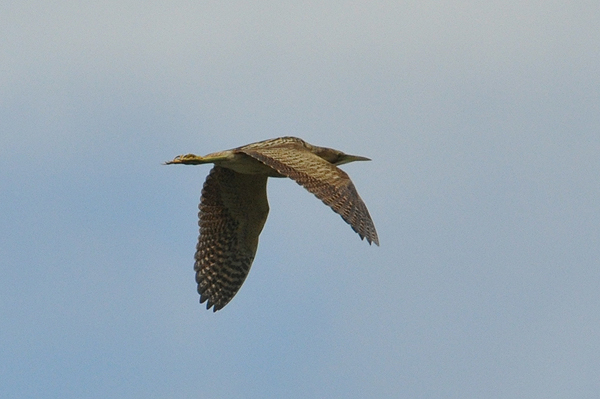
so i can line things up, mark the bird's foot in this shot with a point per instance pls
(187, 159)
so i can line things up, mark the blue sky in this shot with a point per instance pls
(482, 120)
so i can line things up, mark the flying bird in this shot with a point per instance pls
(234, 208)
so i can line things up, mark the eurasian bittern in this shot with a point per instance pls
(233, 206)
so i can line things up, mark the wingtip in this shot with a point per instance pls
(210, 304)
(373, 241)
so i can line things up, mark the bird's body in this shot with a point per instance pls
(234, 207)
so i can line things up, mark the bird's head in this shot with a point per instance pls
(337, 157)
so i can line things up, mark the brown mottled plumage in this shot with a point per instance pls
(234, 207)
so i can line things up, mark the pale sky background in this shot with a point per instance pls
(483, 122)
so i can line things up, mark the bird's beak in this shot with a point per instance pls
(351, 158)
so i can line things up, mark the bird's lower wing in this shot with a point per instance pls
(233, 210)
(325, 180)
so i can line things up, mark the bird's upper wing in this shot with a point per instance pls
(233, 211)
(325, 180)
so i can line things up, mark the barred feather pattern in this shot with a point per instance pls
(233, 210)
(325, 180)
(279, 142)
